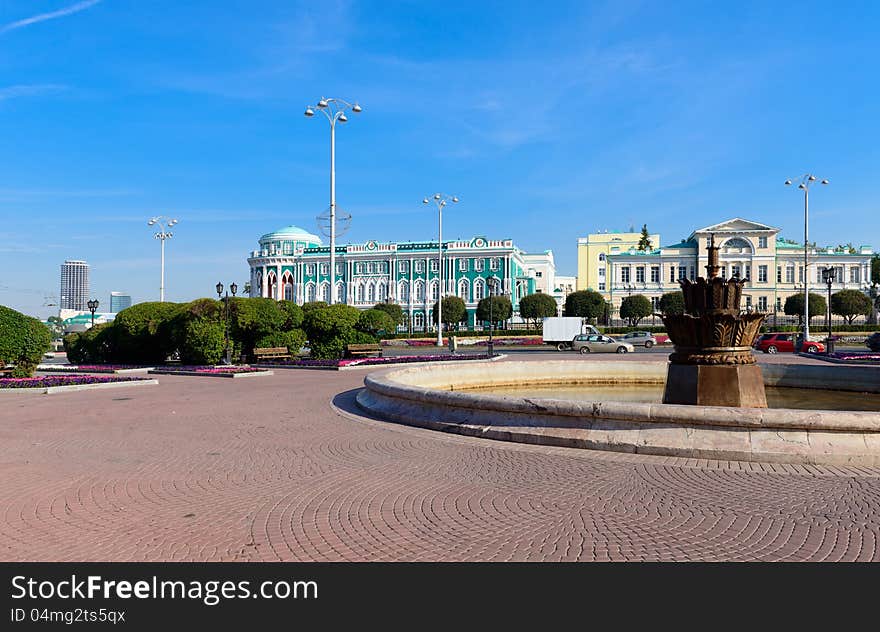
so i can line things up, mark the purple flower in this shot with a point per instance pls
(45, 381)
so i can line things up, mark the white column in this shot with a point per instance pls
(264, 282)
(278, 294)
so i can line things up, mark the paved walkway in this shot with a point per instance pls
(283, 468)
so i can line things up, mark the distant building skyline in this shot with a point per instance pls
(119, 301)
(74, 284)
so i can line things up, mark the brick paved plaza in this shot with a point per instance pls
(284, 468)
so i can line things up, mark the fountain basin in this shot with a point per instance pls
(432, 397)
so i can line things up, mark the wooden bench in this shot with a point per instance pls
(6, 371)
(271, 353)
(363, 350)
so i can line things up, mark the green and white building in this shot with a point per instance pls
(293, 264)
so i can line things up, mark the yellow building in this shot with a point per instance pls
(593, 251)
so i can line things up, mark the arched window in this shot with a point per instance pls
(383, 292)
(736, 245)
(340, 292)
(325, 292)
(310, 292)
(403, 292)
(371, 293)
(258, 284)
(479, 290)
(287, 286)
(360, 293)
(272, 285)
(418, 321)
(463, 290)
(420, 291)
(435, 290)
(601, 256)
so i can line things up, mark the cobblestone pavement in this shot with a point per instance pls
(283, 468)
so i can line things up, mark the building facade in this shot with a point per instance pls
(119, 301)
(773, 267)
(293, 265)
(74, 285)
(593, 251)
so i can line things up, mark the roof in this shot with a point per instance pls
(292, 232)
(735, 225)
(684, 243)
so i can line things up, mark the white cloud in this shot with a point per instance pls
(42, 17)
(29, 90)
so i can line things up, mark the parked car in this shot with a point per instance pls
(873, 342)
(597, 343)
(784, 343)
(639, 339)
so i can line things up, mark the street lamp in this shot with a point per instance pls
(492, 283)
(93, 307)
(232, 288)
(164, 224)
(334, 110)
(806, 181)
(440, 200)
(828, 275)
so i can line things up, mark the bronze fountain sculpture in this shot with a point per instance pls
(713, 364)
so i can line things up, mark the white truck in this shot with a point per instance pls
(560, 330)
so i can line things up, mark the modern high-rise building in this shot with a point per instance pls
(74, 285)
(119, 301)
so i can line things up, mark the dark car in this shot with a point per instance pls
(873, 342)
(784, 342)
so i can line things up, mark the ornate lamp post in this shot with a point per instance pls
(441, 200)
(828, 275)
(164, 224)
(334, 110)
(233, 288)
(93, 307)
(806, 181)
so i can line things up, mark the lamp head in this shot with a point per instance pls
(436, 196)
(151, 222)
(802, 186)
(322, 103)
(219, 288)
(455, 199)
(309, 112)
(788, 183)
(425, 201)
(172, 222)
(811, 178)
(824, 181)
(357, 109)
(343, 118)
(233, 288)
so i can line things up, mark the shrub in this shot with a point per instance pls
(500, 309)
(144, 333)
(330, 328)
(204, 341)
(672, 303)
(454, 310)
(534, 307)
(394, 310)
(794, 306)
(850, 304)
(375, 322)
(93, 346)
(634, 308)
(23, 341)
(294, 314)
(252, 318)
(585, 304)
(293, 340)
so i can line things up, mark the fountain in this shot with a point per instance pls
(712, 364)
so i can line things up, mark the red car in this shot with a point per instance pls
(774, 343)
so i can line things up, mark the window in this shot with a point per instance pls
(403, 266)
(370, 268)
(340, 292)
(800, 274)
(624, 275)
(371, 293)
(601, 256)
(360, 293)
(778, 304)
(601, 286)
(735, 270)
(463, 291)
(463, 265)
(655, 274)
(640, 274)
(762, 303)
(762, 274)
(789, 274)
(420, 266)
(435, 291)
(748, 272)
(538, 274)
(478, 265)
(434, 265)
(403, 292)
(494, 263)
(682, 272)
(325, 292)
(479, 290)
(339, 269)
(310, 292)
(655, 303)
(762, 242)
(324, 268)
(359, 268)
(691, 273)
(672, 274)
(602, 273)
(854, 275)
(779, 274)
(310, 269)
(748, 302)
(383, 292)
(418, 320)
(420, 291)
(723, 272)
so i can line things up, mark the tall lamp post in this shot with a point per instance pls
(806, 181)
(492, 283)
(334, 110)
(93, 307)
(828, 275)
(234, 288)
(164, 224)
(440, 200)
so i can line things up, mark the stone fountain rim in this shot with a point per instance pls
(384, 383)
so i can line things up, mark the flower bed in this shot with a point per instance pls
(211, 371)
(854, 356)
(52, 383)
(356, 362)
(91, 368)
(465, 341)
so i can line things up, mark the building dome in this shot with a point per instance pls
(291, 233)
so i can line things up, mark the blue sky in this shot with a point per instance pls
(548, 120)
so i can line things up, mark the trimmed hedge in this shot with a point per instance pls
(23, 341)
(144, 333)
(293, 340)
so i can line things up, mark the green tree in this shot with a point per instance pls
(535, 307)
(56, 325)
(645, 239)
(144, 332)
(875, 270)
(496, 307)
(204, 341)
(394, 310)
(585, 304)
(294, 314)
(850, 304)
(634, 308)
(672, 303)
(794, 306)
(95, 345)
(23, 341)
(375, 322)
(454, 311)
